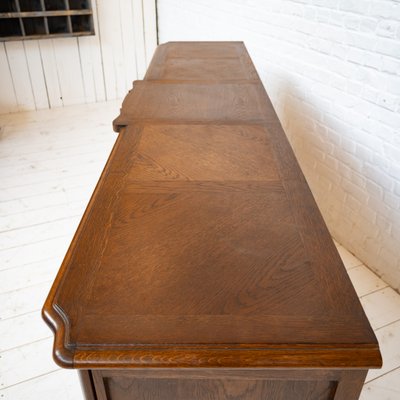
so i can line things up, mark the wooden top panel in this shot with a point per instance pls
(182, 61)
(202, 246)
(194, 102)
(203, 153)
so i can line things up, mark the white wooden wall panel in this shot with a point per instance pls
(36, 73)
(138, 25)
(56, 72)
(22, 83)
(8, 100)
(108, 35)
(69, 70)
(92, 63)
(150, 28)
(50, 72)
(121, 6)
(128, 37)
(86, 58)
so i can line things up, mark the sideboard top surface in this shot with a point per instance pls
(202, 245)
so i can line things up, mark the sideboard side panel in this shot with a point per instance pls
(86, 379)
(351, 385)
(111, 385)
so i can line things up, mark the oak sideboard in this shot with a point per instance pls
(202, 268)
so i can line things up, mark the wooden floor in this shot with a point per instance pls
(49, 164)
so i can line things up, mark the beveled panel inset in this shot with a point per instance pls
(198, 152)
(206, 50)
(125, 388)
(166, 253)
(149, 101)
(211, 62)
(217, 69)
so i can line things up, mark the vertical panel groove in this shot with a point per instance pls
(44, 76)
(57, 74)
(80, 65)
(29, 74)
(157, 33)
(122, 40)
(9, 68)
(134, 45)
(8, 99)
(144, 35)
(100, 47)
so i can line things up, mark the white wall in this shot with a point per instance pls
(332, 69)
(48, 73)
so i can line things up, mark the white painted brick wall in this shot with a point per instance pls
(332, 70)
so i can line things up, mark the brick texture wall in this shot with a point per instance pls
(332, 70)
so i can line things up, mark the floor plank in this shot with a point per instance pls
(382, 307)
(349, 260)
(29, 274)
(60, 385)
(34, 252)
(23, 173)
(22, 330)
(35, 217)
(80, 192)
(22, 301)
(73, 169)
(49, 230)
(25, 362)
(389, 340)
(53, 155)
(386, 387)
(55, 182)
(365, 281)
(34, 151)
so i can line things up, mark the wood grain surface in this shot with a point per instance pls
(238, 384)
(182, 61)
(180, 103)
(120, 387)
(202, 245)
